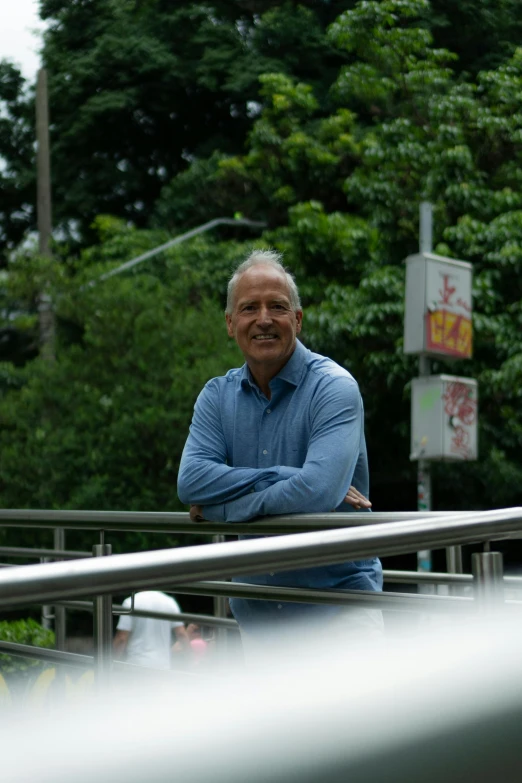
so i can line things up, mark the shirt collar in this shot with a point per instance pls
(290, 373)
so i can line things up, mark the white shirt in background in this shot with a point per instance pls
(150, 640)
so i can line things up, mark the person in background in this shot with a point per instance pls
(201, 649)
(147, 641)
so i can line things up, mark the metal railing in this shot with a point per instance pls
(103, 576)
(189, 569)
(179, 521)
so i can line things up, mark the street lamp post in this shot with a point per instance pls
(177, 241)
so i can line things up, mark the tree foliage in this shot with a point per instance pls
(341, 193)
(205, 110)
(103, 426)
(23, 632)
(138, 91)
(17, 178)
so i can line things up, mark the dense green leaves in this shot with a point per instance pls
(104, 425)
(23, 632)
(17, 177)
(138, 90)
(331, 122)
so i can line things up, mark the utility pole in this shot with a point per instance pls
(424, 561)
(43, 210)
(45, 306)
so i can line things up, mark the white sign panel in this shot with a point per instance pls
(444, 412)
(438, 307)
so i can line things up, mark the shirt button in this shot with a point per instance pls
(271, 573)
(268, 410)
(279, 606)
(265, 451)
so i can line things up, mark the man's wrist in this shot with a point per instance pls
(214, 513)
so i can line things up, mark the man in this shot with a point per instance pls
(146, 641)
(283, 434)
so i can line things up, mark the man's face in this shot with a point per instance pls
(263, 322)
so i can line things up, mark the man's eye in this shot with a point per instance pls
(248, 309)
(278, 307)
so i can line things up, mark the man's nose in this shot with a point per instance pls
(264, 315)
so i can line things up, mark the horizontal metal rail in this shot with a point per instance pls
(185, 617)
(437, 577)
(408, 602)
(23, 585)
(180, 522)
(45, 654)
(393, 601)
(78, 660)
(390, 576)
(23, 551)
(430, 577)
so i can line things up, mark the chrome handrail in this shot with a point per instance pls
(180, 522)
(185, 617)
(22, 585)
(408, 602)
(28, 552)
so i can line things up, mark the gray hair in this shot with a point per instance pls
(263, 258)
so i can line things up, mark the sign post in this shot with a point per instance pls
(438, 324)
(438, 307)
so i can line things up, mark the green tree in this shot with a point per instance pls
(23, 632)
(341, 193)
(337, 165)
(17, 176)
(456, 143)
(104, 425)
(483, 33)
(138, 90)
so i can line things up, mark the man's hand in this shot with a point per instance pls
(356, 499)
(196, 513)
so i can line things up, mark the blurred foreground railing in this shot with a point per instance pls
(188, 569)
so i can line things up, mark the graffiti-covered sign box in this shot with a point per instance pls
(444, 411)
(437, 318)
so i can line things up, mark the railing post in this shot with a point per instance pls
(59, 611)
(454, 560)
(488, 578)
(220, 610)
(102, 629)
(454, 566)
(46, 609)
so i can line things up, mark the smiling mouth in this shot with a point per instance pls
(265, 337)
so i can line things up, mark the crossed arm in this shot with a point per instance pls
(353, 497)
(219, 492)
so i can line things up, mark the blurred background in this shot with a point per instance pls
(326, 120)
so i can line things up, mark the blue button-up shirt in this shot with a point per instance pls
(248, 456)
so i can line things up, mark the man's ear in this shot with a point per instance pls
(230, 329)
(299, 320)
